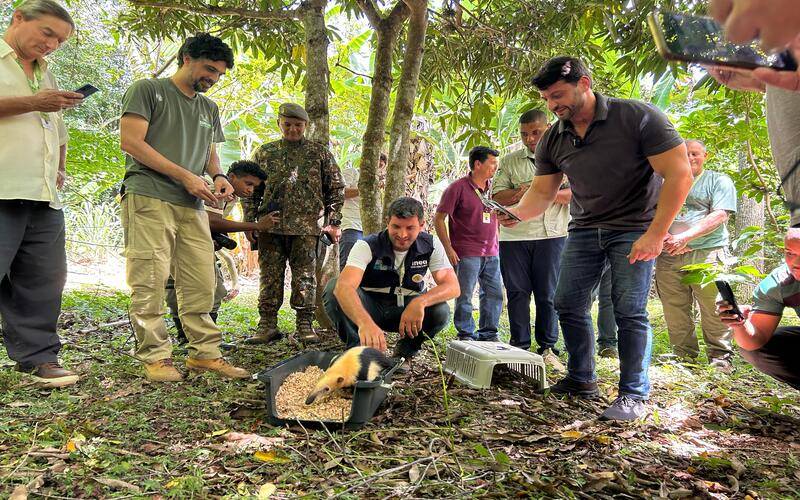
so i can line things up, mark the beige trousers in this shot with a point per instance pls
(162, 238)
(678, 301)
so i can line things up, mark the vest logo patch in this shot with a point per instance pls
(419, 263)
(417, 278)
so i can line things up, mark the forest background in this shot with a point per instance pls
(423, 81)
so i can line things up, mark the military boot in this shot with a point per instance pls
(179, 328)
(265, 335)
(305, 331)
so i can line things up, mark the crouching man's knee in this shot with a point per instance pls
(437, 317)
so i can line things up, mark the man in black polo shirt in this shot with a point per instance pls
(382, 286)
(611, 150)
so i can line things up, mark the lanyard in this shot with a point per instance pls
(35, 84)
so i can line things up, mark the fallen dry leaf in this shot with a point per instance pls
(413, 473)
(266, 491)
(19, 493)
(270, 456)
(117, 484)
(572, 434)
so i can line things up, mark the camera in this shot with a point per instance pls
(222, 240)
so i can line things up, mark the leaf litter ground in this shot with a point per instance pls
(708, 435)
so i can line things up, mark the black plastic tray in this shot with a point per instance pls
(367, 396)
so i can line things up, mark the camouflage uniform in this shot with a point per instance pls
(304, 181)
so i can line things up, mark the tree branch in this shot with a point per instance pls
(218, 11)
(370, 10)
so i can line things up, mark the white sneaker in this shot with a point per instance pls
(552, 360)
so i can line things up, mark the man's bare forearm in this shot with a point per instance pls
(673, 194)
(442, 292)
(351, 305)
(146, 155)
(441, 231)
(564, 196)
(508, 197)
(13, 106)
(706, 225)
(536, 200)
(230, 226)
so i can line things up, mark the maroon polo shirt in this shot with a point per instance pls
(472, 233)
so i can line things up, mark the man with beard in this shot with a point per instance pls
(168, 130)
(382, 287)
(615, 153)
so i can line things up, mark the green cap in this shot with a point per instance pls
(292, 110)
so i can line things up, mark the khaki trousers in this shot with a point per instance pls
(678, 300)
(162, 238)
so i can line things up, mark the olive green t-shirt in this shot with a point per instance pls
(181, 128)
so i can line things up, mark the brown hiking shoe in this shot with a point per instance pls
(162, 370)
(50, 375)
(306, 333)
(264, 336)
(218, 365)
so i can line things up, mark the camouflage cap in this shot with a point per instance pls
(292, 110)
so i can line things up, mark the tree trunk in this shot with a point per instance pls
(387, 31)
(420, 174)
(749, 212)
(404, 104)
(312, 14)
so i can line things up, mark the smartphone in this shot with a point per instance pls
(727, 295)
(699, 39)
(493, 205)
(87, 90)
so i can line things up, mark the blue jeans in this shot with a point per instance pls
(486, 272)
(531, 267)
(606, 324)
(582, 265)
(346, 242)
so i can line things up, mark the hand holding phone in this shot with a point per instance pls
(699, 39)
(87, 90)
(727, 295)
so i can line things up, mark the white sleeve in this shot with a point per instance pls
(360, 255)
(439, 258)
(350, 176)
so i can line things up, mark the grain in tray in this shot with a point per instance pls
(291, 399)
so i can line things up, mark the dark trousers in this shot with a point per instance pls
(346, 242)
(586, 254)
(778, 358)
(33, 271)
(383, 309)
(531, 267)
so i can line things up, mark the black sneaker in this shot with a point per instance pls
(569, 387)
(625, 408)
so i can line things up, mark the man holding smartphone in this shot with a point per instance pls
(169, 131)
(615, 153)
(33, 150)
(769, 348)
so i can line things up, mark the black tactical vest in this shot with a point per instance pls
(381, 273)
